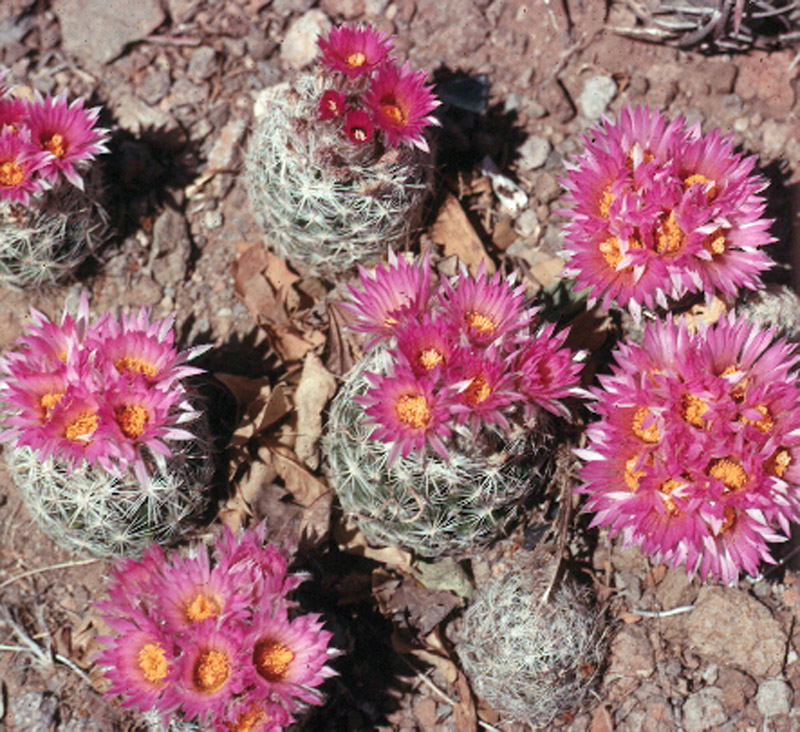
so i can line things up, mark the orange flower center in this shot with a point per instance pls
(333, 106)
(55, 145)
(669, 237)
(211, 671)
(393, 112)
(135, 366)
(477, 391)
(692, 409)
(669, 503)
(729, 516)
(480, 322)
(247, 721)
(132, 420)
(605, 203)
(698, 178)
(412, 410)
(764, 424)
(11, 173)
(202, 607)
(610, 251)
(272, 660)
(729, 471)
(354, 60)
(430, 357)
(359, 134)
(632, 476)
(714, 242)
(778, 462)
(81, 426)
(648, 435)
(153, 662)
(49, 401)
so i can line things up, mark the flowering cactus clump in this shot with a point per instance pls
(695, 455)
(531, 660)
(213, 641)
(442, 429)
(657, 210)
(94, 417)
(49, 220)
(338, 167)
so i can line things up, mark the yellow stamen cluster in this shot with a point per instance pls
(201, 607)
(49, 401)
(394, 113)
(11, 173)
(647, 435)
(132, 419)
(428, 358)
(692, 410)
(729, 471)
(667, 487)
(211, 671)
(669, 237)
(412, 410)
(55, 144)
(477, 391)
(632, 476)
(480, 322)
(764, 424)
(729, 519)
(81, 426)
(272, 660)
(354, 60)
(153, 662)
(136, 366)
(778, 463)
(247, 721)
(698, 178)
(714, 243)
(605, 203)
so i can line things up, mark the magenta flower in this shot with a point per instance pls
(407, 412)
(332, 104)
(694, 457)
(358, 126)
(484, 310)
(425, 344)
(20, 161)
(353, 50)
(67, 133)
(259, 715)
(389, 296)
(401, 105)
(287, 658)
(13, 113)
(656, 210)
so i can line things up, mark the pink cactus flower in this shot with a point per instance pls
(354, 51)
(358, 127)
(21, 162)
(332, 105)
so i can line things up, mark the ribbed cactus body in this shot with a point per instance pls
(423, 503)
(774, 306)
(322, 204)
(92, 511)
(42, 244)
(531, 661)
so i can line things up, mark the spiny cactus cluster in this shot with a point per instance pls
(442, 429)
(716, 25)
(94, 415)
(532, 661)
(49, 221)
(774, 306)
(330, 183)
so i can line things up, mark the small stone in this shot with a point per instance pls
(740, 124)
(597, 93)
(155, 85)
(703, 710)
(134, 115)
(347, 9)
(172, 246)
(533, 153)
(203, 63)
(527, 224)
(710, 674)
(223, 153)
(99, 30)
(300, 43)
(285, 8)
(34, 712)
(774, 697)
(737, 688)
(630, 584)
(185, 92)
(547, 188)
(213, 219)
(425, 712)
(631, 654)
(762, 76)
(774, 135)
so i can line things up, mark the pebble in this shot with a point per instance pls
(185, 92)
(527, 224)
(533, 153)
(347, 9)
(547, 188)
(597, 93)
(34, 711)
(172, 247)
(631, 654)
(99, 30)
(203, 63)
(774, 135)
(299, 46)
(704, 710)
(225, 146)
(155, 85)
(737, 688)
(774, 697)
(212, 219)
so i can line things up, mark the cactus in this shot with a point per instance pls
(329, 186)
(44, 244)
(715, 25)
(774, 306)
(531, 660)
(93, 511)
(423, 503)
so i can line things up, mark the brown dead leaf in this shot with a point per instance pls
(351, 540)
(427, 655)
(453, 231)
(245, 391)
(465, 715)
(629, 618)
(304, 487)
(341, 347)
(423, 608)
(710, 314)
(277, 272)
(248, 282)
(654, 576)
(315, 524)
(503, 235)
(547, 271)
(317, 385)
(291, 343)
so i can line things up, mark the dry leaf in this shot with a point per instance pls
(351, 540)
(465, 716)
(248, 282)
(710, 314)
(503, 235)
(304, 487)
(278, 273)
(547, 271)
(317, 385)
(424, 608)
(447, 668)
(245, 391)
(453, 231)
(290, 343)
(341, 346)
(315, 524)
(629, 618)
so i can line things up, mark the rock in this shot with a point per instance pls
(774, 697)
(737, 689)
(99, 30)
(184, 93)
(527, 224)
(300, 43)
(172, 248)
(631, 654)
(703, 710)
(285, 8)
(651, 715)
(774, 134)
(134, 115)
(223, 153)
(202, 63)
(597, 93)
(347, 9)
(730, 627)
(762, 76)
(155, 85)
(33, 711)
(533, 153)
(546, 187)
